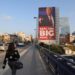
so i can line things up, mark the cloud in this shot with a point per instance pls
(5, 18)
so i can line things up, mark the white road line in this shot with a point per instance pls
(43, 64)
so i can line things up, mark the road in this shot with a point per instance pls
(2, 53)
(33, 64)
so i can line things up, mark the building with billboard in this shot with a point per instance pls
(48, 25)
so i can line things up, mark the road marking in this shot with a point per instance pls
(43, 64)
(2, 71)
(23, 52)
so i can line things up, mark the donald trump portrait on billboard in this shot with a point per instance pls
(46, 17)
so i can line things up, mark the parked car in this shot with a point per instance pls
(70, 58)
(2, 47)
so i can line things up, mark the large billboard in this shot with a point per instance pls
(46, 27)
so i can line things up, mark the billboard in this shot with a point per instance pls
(46, 27)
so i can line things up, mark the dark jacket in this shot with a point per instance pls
(46, 22)
(11, 56)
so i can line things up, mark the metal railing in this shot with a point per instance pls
(58, 64)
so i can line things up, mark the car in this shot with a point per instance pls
(20, 45)
(2, 47)
(70, 58)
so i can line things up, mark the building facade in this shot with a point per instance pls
(64, 30)
(72, 37)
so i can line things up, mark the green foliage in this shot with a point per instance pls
(55, 48)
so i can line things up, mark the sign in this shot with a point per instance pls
(46, 27)
(46, 33)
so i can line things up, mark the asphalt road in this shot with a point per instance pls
(33, 64)
(2, 53)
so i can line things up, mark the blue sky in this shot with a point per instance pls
(17, 15)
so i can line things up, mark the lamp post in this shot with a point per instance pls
(36, 30)
(49, 41)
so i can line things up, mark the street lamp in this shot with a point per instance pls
(36, 30)
(49, 41)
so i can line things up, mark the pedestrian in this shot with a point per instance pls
(11, 56)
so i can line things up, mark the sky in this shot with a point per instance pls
(18, 15)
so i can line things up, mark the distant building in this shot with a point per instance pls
(64, 30)
(28, 38)
(21, 36)
(73, 33)
(64, 25)
(6, 38)
(14, 37)
(72, 37)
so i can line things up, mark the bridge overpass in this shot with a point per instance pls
(39, 61)
(32, 62)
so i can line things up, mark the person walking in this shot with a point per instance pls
(11, 56)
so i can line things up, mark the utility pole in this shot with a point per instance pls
(36, 18)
